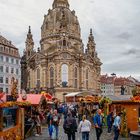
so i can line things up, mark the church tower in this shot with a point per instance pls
(61, 65)
(29, 44)
(91, 45)
(60, 3)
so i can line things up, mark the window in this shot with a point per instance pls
(38, 78)
(7, 69)
(1, 68)
(64, 75)
(1, 79)
(1, 48)
(7, 59)
(12, 60)
(51, 77)
(6, 80)
(17, 72)
(6, 50)
(64, 42)
(7, 90)
(1, 89)
(87, 75)
(1, 58)
(12, 70)
(9, 50)
(75, 78)
(38, 74)
(17, 62)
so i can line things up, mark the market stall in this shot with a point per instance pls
(130, 112)
(74, 97)
(12, 120)
(12, 115)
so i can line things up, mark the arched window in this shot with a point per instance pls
(51, 77)
(75, 77)
(87, 75)
(64, 42)
(64, 75)
(38, 74)
(38, 78)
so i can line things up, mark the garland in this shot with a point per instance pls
(12, 135)
(124, 129)
(20, 104)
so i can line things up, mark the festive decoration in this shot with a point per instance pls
(9, 104)
(48, 96)
(89, 99)
(104, 101)
(82, 99)
(24, 95)
(136, 98)
(14, 89)
(124, 129)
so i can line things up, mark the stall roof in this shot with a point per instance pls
(82, 93)
(72, 94)
(34, 99)
(119, 98)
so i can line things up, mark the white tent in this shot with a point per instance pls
(72, 94)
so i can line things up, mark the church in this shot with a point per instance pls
(62, 64)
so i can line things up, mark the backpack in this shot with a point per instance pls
(68, 125)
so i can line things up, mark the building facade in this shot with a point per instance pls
(61, 65)
(113, 85)
(123, 86)
(107, 85)
(9, 65)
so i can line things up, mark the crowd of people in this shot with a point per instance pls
(77, 119)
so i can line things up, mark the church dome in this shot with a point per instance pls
(60, 20)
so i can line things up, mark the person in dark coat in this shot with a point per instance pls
(109, 121)
(70, 126)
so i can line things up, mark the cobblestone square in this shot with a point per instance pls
(63, 136)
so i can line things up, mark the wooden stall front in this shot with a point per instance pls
(132, 112)
(11, 123)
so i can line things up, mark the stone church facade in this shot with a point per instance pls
(61, 65)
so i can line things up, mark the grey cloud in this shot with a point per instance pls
(132, 52)
(91, 1)
(125, 35)
(115, 24)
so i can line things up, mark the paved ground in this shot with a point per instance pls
(63, 136)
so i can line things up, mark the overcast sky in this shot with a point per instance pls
(115, 23)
